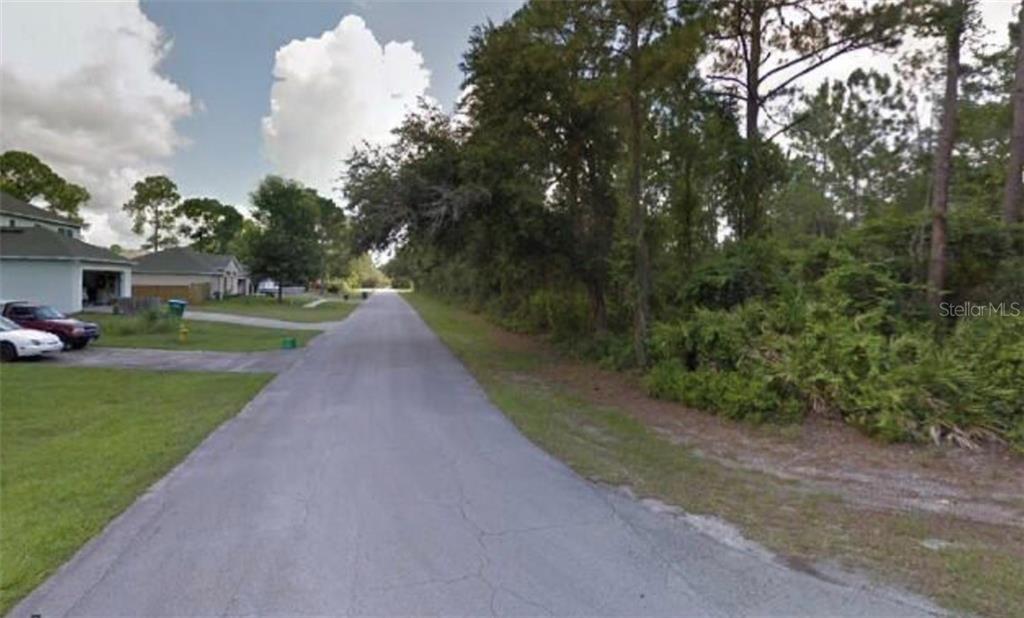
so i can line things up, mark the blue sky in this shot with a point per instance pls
(223, 54)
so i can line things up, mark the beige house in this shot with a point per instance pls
(183, 272)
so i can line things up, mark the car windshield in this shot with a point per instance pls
(48, 313)
(6, 325)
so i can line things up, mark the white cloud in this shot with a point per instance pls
(333, 92)
(81, 89)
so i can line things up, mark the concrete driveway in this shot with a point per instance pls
(373, 477)
(271, 361)
(249, 320)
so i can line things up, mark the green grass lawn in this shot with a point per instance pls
(119, 331)
(79, 444)
(290, 308)
(980, 572)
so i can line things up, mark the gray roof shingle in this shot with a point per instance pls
(40, 242)
(182, 260)
(13, 206)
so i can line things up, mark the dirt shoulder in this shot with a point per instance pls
(986, 486)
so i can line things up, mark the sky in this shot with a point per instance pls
(217, 94)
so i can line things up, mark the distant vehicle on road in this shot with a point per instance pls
(17, 342)
(73, 333)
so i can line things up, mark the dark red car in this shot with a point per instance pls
(75, 334)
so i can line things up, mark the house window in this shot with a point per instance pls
(10, 223)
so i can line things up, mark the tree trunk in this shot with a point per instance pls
(156, 230)
(1012, 192)
(598, 308)
(751, 219)
(943, 159)
(639, 212)
(280, 291)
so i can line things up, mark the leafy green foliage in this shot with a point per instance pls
(742, 271)
(210, 225)
(153, 205)
(26, 177)
(849, 349)
(283, 246)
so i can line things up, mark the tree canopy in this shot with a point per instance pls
(283, 245)
(25, 176)
(208, 224)
(153, 206)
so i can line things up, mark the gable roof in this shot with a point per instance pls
(42, 243)
(10, 205)
(183, 261)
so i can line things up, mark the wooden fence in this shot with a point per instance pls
(194, 293)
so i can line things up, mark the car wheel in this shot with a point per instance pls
(8, 352)
(78, 345)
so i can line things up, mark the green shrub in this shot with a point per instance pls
(742, 271)
(709, 339)
(742, 395)
(848, 358)
(565, 315)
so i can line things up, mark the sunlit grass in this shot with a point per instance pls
(290, 308)
(79, 444)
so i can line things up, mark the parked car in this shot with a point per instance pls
(74, 333)
(17, 342)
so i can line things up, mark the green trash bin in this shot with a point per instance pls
(176, 307)
(289, 343)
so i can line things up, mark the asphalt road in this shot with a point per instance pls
(373, 477)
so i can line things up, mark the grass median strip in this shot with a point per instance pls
(80, 444)
(163, 334)
(290, 308)
(976, 568)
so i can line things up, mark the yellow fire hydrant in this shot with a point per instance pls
(183, 333)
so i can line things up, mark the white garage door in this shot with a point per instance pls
(48, 282)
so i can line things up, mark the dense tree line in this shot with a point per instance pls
(654, 183)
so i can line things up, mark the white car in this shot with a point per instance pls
(16, 342)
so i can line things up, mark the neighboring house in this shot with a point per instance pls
(18, 213)
(44, 260)
(183, 272)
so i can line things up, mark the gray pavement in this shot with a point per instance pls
(373, 477)
(273, 361)
(248, 320)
